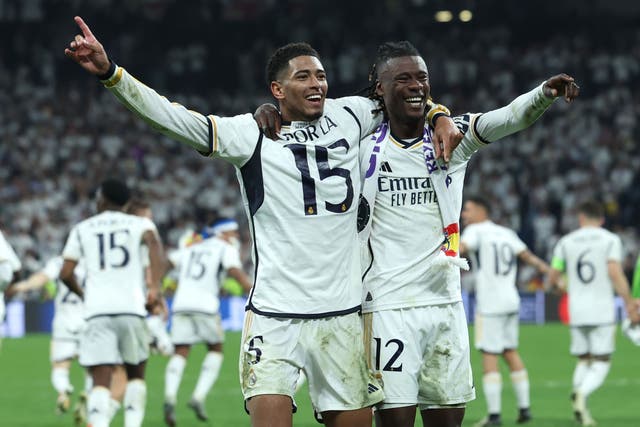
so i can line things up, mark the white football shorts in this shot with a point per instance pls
(329, 350)
(422, 356)
(194, 328)
(113, 340)
(64, 349)
(593, 340)
(497, 332)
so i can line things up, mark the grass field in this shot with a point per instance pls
(27, 399)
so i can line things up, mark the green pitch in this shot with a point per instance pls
(27, 399)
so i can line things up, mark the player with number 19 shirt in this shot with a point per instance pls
(494, 253)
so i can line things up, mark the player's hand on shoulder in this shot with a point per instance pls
(269, 120)
(447, 137)
(87, 51)
(562, 85)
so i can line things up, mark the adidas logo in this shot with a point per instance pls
(385, 167)
(369, 297)
(372, 388)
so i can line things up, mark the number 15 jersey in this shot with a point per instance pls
(300, 195)
(110, 244)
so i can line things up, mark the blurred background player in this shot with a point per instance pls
(158, 315)
(591, 258)
(110, 243)
(10, 265)
(495, 252)
(67, 327)
(195, 317)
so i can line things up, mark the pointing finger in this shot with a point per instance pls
(84, 27)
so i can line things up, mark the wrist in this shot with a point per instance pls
(110, 71)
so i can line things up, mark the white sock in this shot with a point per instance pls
(98, 407)
(135, 400)
(492, 386)
(582, 367)
(172, 378)
(88, 383)
(594, 377)
(60, 380)
(520, 381)
(208, 374)
(114, 407)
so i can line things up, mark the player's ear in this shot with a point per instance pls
(379, 90)
(277, 90)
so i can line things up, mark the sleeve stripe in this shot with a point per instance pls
(474, 129)
(213, 136)
(356, 119)
(113, 80)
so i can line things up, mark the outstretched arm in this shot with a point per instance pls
(171, 119)
(523, 111)
(34, 282)
(530, 258)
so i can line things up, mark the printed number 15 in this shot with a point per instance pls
(325, 171)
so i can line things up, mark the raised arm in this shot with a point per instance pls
(169, 118)
(523, 111)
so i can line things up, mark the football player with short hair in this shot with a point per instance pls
(301, 200)
(495, 251)
(195, 311)
(110, 246)
(591, 257)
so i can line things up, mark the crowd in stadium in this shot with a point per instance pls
(62, 133)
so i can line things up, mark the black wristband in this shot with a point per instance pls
(110, 71)
(436, 116)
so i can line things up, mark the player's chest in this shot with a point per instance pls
(403, 180)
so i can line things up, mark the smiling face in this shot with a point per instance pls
(301, 89)
(403, 83)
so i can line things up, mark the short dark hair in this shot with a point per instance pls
(281, 57)
(386, 51)
(480, 201)
(115, 191)
(591, 209)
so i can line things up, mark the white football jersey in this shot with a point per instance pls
(495, 261)
(8, 254)
(300, 194)
(407, 228)
(68, 315)
(583, 255)
(201, 267)
(110, 245)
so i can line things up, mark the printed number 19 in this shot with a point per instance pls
(325, 171)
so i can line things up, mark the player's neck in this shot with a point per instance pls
(406, 129)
